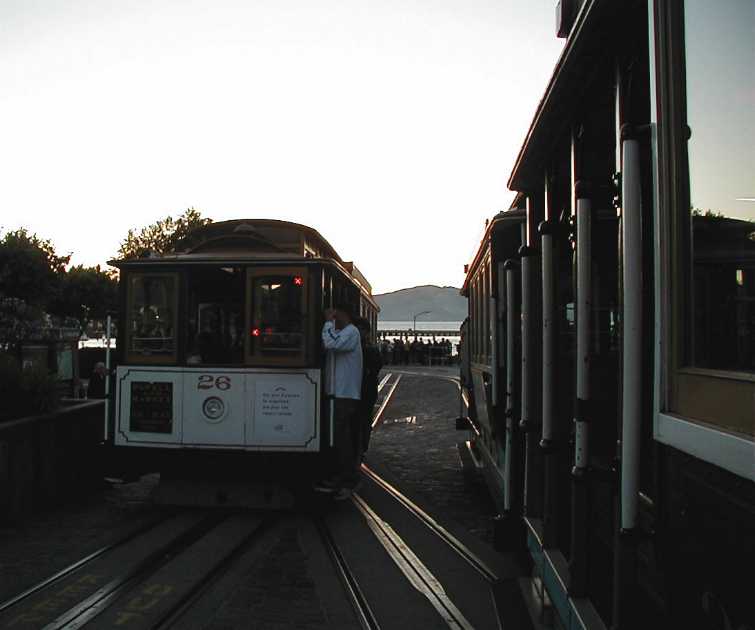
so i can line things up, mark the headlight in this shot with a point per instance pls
(213, 409)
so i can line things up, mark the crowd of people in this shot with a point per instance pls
(408, 351)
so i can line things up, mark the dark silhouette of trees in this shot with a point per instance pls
(87, 293)
(30, 269)
(36, 288)
(162, 236)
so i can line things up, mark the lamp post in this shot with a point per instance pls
(414, 327)
(414, 321)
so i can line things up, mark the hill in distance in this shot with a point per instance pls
(444, 303)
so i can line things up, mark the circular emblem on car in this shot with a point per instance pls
(213, 409)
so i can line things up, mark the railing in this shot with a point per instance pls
(44, 459)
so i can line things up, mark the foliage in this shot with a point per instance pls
(87, 293)
(35, 284)
(25, 392)
(161, 237)
(29, 268)
(708, 214)
(19, 321)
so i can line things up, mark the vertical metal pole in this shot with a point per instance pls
(500, 317)
(510, 267)
(584, 313)
(549, 335)
(548, 436)
(529, 404)
(332, 382)
(493, 326)
(631, 234)
(524, 403)
(107, 378)
(580, 492)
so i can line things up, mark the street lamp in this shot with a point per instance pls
(414, 322)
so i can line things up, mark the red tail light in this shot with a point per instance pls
(255, 332)
(298, 281)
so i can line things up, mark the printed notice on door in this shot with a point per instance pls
(284, 411)
(280, 408)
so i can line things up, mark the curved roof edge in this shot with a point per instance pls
(235, 227)
(552, 111)
(514, 212)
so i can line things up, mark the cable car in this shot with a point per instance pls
(610, 359)
(220, 370)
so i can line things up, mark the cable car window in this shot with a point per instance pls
(151, 327)
(722, 184)
(710, 214)
(215, 318)
(278, 322)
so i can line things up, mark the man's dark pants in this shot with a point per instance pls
(345, 424)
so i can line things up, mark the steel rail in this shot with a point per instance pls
(93, 605)
(385, 402)
(361, 606)
(459, 547)
(179, 609)
(386, 378)
(80, 563)
(413, 568)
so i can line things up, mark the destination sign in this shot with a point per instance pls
(151, 407)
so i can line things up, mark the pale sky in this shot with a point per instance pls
(389, 126)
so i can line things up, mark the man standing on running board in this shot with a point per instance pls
(343, 382)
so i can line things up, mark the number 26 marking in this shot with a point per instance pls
(207, 381)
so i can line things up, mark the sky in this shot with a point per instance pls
(720, 102)
(389, 126)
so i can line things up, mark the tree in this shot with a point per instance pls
(87, 293)
(707, 214)
(19, 321)
(30, 269)
(161, 237)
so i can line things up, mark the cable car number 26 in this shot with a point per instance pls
(207, 381)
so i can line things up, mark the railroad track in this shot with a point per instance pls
(415, 571)
(149, 579)
(479, 565)
(378, 415)
(362, 609)
(79, 564)
(154, 577)
(504, 590)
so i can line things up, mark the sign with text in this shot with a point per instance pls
(151, 407)
(284, 410)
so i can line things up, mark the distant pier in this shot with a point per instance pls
(403, 332)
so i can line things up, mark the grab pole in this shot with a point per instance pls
(549, 335)
(510, 267)
(631, 234)
(582, 412)
(332, 371)
(584, 313)
(106, 433)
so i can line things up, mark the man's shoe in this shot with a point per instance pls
(342, 494)
(326, 485)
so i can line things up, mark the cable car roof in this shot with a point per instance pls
(250, 240)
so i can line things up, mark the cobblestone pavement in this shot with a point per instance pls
(421, 453)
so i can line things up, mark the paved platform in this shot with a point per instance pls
(421, 455)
